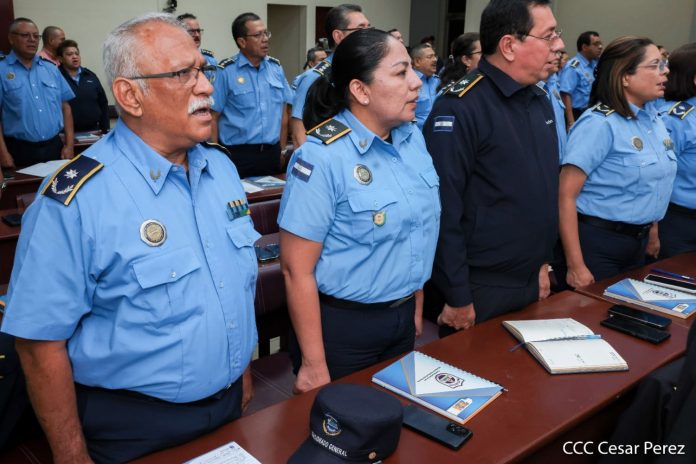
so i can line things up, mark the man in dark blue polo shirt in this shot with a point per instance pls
(492, 137)
(90, 107)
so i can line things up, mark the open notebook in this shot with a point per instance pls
(565, 346)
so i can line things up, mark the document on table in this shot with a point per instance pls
(249, 187)
(231, 453)
(43, 169)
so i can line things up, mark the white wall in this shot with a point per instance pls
(88, 21)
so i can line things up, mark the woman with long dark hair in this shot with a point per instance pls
(465, 54)
(619, 166)
(360, 214)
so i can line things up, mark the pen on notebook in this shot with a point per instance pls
(579, 337)
(672, 274)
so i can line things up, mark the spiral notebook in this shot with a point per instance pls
(447, 390)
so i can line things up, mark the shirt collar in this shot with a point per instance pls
(12, 58)
(242, 60)
(649, 110)
(363, 138)
(506, 84)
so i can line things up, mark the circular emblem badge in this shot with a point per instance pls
(668, 143)
(241, 80)
(153, 233)
(362, 174)
(379, 218)
(637, 143)
(331, 425)
(10, 76)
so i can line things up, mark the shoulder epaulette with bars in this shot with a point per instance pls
(681, 109)
(67, 180)
(604, 109)
(207, 52)
(329, 131)
(274, 60)
(322, 67)
(217, 147)
(226, 62)
(464, 84)
(574, 63)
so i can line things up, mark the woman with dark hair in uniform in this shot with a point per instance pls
(618, 167)
(465, 54)
(678, 228)
(360, 214)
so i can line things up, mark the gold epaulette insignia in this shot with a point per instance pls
(218, 147)
(322, 67)
(604, 109)
(226, 62)
(681, 109)
(70, 177)
(463, 85)
(329, 131)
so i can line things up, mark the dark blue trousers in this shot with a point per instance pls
(677, 233)
(607, 253)
(120, 426)
(355, 339)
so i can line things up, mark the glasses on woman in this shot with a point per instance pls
(661, 66)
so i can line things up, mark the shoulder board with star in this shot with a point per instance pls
(681, 109)
(207, 52)
(274, 60)
(603, 109)
(227, 62)
(329, 131)
(67, 180)
(574, 63)
(322, 67)
(217, 147)
(464, 84)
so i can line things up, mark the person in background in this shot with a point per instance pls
(32, 115)
(341, 21)
(195, 31)
(677, 230)
(251, 94)
(397, 35)
(359, 215)
(136, 328)
(425, 64)
(497, 159)
(465, 53)
(90, 108)
(576, 78)
(619, 166)
(663, 51)
(315, 55)
(52, 36)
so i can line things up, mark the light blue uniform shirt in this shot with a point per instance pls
(208, 56)
(251, 101)
(175, 321)
(324, 202)
(301, 86)
(558, 110)
(683, 134)
(426, 97)
(629, 163)
(31, 99)
(577, 80)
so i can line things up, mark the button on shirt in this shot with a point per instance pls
(378, 239)
(174, 321)
(629, 164)
(577, 81)
(301, 86)
(251, 101)
(31, 99)
(426, 97)
(683, 134)
(559, 112)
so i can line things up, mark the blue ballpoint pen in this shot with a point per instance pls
(672, 274)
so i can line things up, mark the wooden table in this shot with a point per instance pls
(684, 264)
(530, 421)
(20, 184)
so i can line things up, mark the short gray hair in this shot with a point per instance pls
(121, 48)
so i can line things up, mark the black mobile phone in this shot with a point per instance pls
(644, 317)
(267, 252)
(435, 427)
(668, 282)
(636, 329)
(13, 220)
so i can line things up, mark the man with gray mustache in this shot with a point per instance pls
(132, 295)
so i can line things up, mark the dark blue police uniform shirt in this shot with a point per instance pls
(496, 152)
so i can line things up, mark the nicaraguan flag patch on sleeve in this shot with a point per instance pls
(443, 124)
(302, 169)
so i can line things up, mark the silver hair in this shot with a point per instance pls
(121, 47)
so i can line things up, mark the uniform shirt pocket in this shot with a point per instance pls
(164, 278)
(243, 96)
(641, 170)
(375, 216)
(242, 234)
(433, 181)
(51, 89)
(276, 90)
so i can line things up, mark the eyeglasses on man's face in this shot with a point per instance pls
(186, 76)
(27, 35)
(259, 35)
(555, 35)
(353, 29)
(198, 31)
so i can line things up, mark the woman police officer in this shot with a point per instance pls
(619, 166)
(678, 228)
(360, 214)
